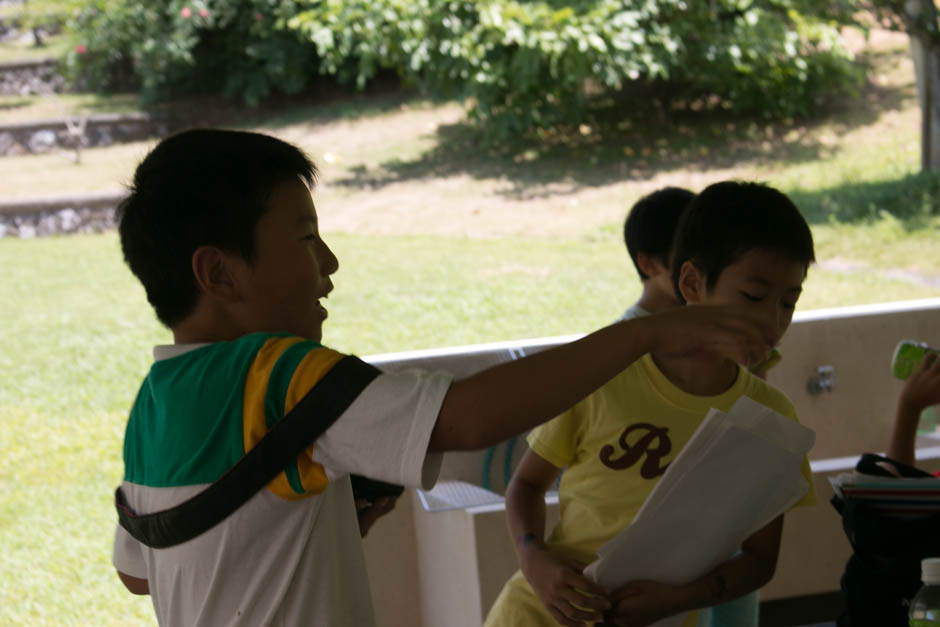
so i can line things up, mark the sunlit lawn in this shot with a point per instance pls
(24, 48)
(42, 107)
(77, 334)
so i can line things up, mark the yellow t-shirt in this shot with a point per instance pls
(614, 446)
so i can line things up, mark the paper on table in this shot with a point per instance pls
(738, 472)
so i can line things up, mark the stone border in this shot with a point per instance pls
(105, 129)
(58, 215)
(36, 76)
(6, 66)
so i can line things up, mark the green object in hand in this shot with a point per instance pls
(773, 358)
(907, 356)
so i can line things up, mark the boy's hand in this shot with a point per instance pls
(571, 598)
(370, 511)
(730, 331)
(642, 603)
(922, 388)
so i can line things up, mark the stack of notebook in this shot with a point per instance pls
(891, 496)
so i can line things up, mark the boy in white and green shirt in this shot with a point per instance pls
(221, 230)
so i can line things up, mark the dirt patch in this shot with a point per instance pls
(446, 206)
(392, 163)
(415, 170)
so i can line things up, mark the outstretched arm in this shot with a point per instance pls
(511, 398)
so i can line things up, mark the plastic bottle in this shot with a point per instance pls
(925, 606)
(907, 357)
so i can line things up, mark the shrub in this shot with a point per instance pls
(534, 64)
(233, 47)
(522, 64)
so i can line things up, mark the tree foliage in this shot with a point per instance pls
(525, 64)
(232, 47)
(520, 63)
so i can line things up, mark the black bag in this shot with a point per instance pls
(372, 489)
(883, 573)
(283, 443)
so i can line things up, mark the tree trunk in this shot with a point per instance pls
(930, 140)
(925, 51)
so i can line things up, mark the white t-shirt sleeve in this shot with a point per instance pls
(634, 311)
(384, 433)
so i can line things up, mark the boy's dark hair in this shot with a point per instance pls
(197, 188)
(728, 219)
(651, 224)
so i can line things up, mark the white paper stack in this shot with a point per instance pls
(738, 472)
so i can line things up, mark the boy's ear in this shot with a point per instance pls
(692, 283)
(650, 265)
(214, 274)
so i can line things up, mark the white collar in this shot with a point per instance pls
(169, 351)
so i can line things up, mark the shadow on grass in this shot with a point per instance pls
(913, 200)
(323, 102)
(14, 103)
(627, 138)
(116, 103)
(631, 137)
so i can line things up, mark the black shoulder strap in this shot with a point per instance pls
(313, 415)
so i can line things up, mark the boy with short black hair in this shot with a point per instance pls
(221, 230)
(648, 232)
(737, 243)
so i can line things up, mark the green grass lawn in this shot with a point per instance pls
(77, 340)
(72, 326)
(24, 49)
(44, 107)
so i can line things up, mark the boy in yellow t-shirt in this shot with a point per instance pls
(648, 233)
(737, 243)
